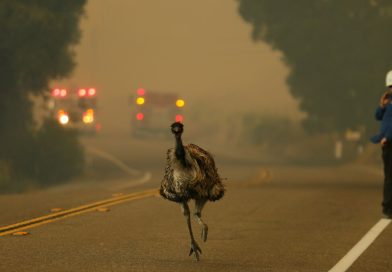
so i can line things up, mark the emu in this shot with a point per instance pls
(190, 173)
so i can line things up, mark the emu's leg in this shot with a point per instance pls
(199, 204)
(194, 246)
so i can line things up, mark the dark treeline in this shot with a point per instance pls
(338, 51)
(35, 47)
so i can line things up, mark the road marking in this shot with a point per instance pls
(146, 177)
(361, 246)
(114, 160)
(121, 165)
(35, 222)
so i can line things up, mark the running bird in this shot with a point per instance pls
(190, 173)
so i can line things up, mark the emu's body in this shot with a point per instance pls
(191, 173)
(197, 179)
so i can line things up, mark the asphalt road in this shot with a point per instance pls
(273, 218)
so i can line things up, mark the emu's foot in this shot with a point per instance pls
(204, 232)
(195, 249)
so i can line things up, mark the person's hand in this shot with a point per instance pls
(384, 99)
(383, 141)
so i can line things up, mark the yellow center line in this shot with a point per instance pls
(38, 221)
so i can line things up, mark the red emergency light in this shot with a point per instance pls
(59, 92)
(92, 92)
(140, 116)
(179, 118)
(87, 92)
(82, 92)
(141, 91)
(56, 92)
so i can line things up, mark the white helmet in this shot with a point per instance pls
(388, 80)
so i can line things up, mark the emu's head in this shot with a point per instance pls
(177, 128)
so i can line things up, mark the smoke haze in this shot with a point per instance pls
(202, 51)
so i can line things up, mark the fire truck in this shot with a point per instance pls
(153, 112)
(76, 110)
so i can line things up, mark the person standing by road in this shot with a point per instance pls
(384, 137)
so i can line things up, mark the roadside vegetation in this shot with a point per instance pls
(36, 47)
(336, 74)
(282, 140)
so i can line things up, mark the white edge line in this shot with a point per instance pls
(361, 246)
(146, 176)
(114, 160)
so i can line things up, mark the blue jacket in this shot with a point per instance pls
(385, 116)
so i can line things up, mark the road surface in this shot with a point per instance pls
(272, 218)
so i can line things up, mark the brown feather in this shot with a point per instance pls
(199, 179)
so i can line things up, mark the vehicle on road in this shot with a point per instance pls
(152, 112)
(76, 110)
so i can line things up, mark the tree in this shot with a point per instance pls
(339, 53)
(35, 47)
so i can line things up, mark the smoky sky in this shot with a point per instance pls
(201, 50)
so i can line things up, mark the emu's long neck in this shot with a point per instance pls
(180, 151)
